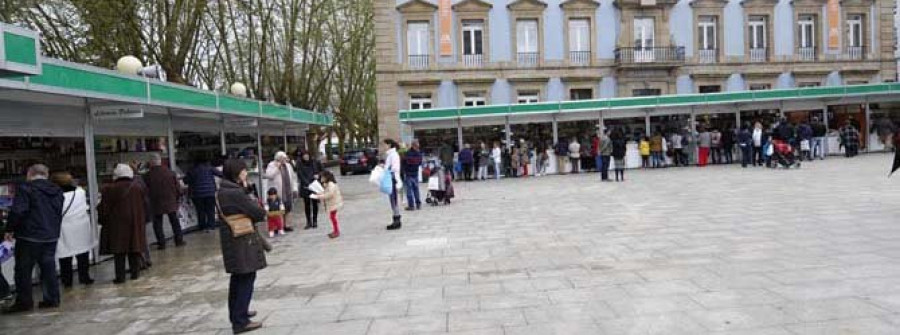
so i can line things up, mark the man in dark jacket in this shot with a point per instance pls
(411, 163)
(308, 169)
(819, 144)
(34, 221)
(745, 142)
(201, 182)
(164, 190)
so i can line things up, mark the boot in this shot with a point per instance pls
(396, 224)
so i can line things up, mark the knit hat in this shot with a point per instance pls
(123, 171)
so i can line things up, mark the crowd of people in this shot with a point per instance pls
(752, 144)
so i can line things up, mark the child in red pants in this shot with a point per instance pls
(275, 210)
(332, 199)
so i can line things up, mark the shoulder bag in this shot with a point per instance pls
(240, 224)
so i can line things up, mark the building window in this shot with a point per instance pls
(527, 41)
(417, 44)
(580, 41)
(809, 84)
(707, 34)
(528, 97)
(473, 99)
(473, 42)
(857, 82)
(645, 92)
(806, 26)
(855, 36)
(581, 94)
(757, 38)
(709, 88)
(760, 87)
(419, 101)
(644, 39)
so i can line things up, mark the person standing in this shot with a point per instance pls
(819, 145)
(483, 161)
(446, 156)
(281, 175)
(412, 161)
(606, 150)
(716, 146)
(850, 139)
(562, 157)
(704, 142)
(618, 153)
(595, 152)
(333, 201)
(678, 149)
(308, 170)
(575, 155)
(164, 191)
(392, 166)
(243, 255)
(497, 158)
(644, 148)
(467, 159)
(201, 181)
(656, 150)
(77, 236)
(35, 220)
(805, 134)
(757, 137)
(121, 215)
(514, 162)
(728, 145)
(745, 142)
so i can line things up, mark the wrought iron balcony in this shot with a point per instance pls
(655, 55)
(419, 61)
(473, 60)
(708, 56)
(856, 53)
(759, 55)
(528, 58)
(806, 54)
(580, 57)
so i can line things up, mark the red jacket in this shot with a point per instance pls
(595, 146)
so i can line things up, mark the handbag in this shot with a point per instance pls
(804, 145)
(375, 176)
(240, 224)
(387, 183)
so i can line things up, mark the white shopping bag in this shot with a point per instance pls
(804, 145)
(375, 177)
(316, 187)
(434, 184)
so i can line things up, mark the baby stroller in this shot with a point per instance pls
(783, 154)
(440, 187)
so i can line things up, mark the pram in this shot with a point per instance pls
(783, 154)
(440, 187)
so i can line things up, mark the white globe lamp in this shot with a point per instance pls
(238, 89)
(129, 65)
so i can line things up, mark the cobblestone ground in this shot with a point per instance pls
(717, 250)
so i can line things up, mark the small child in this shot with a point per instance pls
(332, 199)
(275, 209)
(645, 152)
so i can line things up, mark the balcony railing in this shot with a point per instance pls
(580, 57)
(707, 56)
(806, 54)
(856, 53)
(758, 55)
(473, 60)
(650, 55)
(419, 61)
(528, 58)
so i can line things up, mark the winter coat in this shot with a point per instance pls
(466, 156)
(35, 215)
(645, 148)
(484, 157)
(606, 146)
(704, 139)
(243, 254)
(307, 172)
(618, 148)
(412, 161)
(575, 150)
(332, 197)
(202, 181)
(77, 233)
(274, 176)
(121, 214)
(656, 143)
(163, 189)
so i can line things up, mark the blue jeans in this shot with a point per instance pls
(598, 160)
(818, 147)
(395, 207)
(42, 254)
(746, 155)
(658, 160)
(240, 292)
(412, 192)
(497, 170)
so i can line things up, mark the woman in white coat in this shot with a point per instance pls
(77, 236)
(280, 175)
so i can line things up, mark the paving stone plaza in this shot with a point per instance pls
(716, 250)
